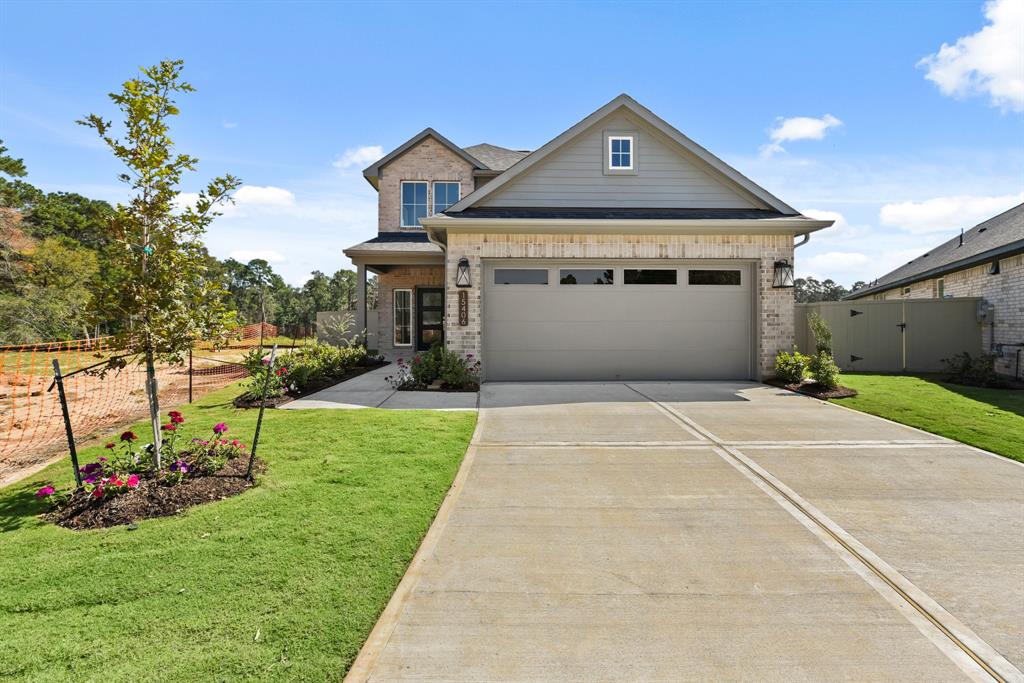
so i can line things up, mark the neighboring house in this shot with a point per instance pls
(621, 249)
(987, 261)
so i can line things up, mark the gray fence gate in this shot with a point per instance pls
(904, 335)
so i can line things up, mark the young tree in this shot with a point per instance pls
(157, 275)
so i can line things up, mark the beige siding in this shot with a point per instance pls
(773, 317)
(429, 161)
(667, 177)
(1005, 291)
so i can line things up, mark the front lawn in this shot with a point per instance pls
(992, 419)
(283, 582)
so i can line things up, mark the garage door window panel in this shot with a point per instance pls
(650, 276)
(586, 276)
(520, 276)
(718, 278)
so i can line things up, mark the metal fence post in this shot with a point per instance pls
(190, 375)
(259, 418)
(59, 381)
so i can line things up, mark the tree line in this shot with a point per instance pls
(55, 247)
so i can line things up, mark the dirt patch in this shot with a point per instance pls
(154, 499)
(814, 389)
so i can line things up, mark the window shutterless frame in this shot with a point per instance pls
(402, 314)
(620, 152)
(447, 198)
(415, 204)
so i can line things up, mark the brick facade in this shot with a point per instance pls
(773, 317)
(1005, 291)
(401, 277)
(428, 161)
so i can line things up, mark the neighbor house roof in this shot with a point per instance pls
(998, 237)
(649, 117)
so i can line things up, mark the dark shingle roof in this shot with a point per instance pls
(419, 236)
(496, 158)
(615, 214)
(998, 236)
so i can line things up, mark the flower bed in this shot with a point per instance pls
(437, 370)
(811, 388)
(125, 487)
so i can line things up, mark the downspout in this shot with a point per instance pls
(806, 239)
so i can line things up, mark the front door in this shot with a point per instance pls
(429, 318)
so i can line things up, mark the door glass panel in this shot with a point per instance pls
(433, 299)
(429, 337)
(585, 276)
(520, 276)
(633, 276)
(431, 317)
(714, 277)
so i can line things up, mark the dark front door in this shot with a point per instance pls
(429, 318)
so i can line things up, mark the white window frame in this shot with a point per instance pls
(433, 194)
(940, 288)
(401, 201)
(394, 317)
(632, 152)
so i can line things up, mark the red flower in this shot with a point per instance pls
(174, 413)
(117, 482)
(109, 445)
(97, 492)
(177, 419)
(128, 436)
(169, 427)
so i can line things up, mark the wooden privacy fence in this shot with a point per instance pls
(904, 335)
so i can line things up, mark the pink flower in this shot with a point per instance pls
(220, 428)
(45, 491)
(117, 482)
(133, 481)
(236, 443)
(97, 492)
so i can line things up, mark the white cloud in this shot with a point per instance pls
(945, 213)
(268, 255)
(990, 61)
(254, 195)
(359, 156)
(798, 128)
(229, 125)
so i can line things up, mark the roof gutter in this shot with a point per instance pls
(1011, 249)
(780, 226)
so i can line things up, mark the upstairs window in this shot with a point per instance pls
(414, 203)
(620, 152)
(445, 194)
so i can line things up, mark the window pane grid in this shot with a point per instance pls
(445, 194)
(620, 152)
(403, 316)
(414, 204)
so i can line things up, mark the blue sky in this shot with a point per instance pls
(901, 120)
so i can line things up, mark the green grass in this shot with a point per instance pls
(281, 583)
(992, 419)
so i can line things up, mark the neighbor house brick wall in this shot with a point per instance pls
(429, 161)
(773, 318)
(1005, 291)
(402, 277)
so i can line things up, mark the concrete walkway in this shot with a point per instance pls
(714, 531)
(371, 390)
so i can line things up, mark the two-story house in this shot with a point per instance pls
(621, 249)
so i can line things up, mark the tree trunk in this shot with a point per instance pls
(154, 407)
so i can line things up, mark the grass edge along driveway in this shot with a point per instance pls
(992, 419)
(284, 582)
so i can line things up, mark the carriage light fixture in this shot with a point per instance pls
(783, 276)
(462, 273)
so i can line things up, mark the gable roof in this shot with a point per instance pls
(372, 172)
(497, 158)
(649, 117)
(999, 236)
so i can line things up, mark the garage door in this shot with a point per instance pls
(617, 320)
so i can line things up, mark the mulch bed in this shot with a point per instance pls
(154, 499)
(814, 389)
(246, 402)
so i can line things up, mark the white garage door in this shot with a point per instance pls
(617, 320)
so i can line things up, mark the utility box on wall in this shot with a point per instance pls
(900, 335)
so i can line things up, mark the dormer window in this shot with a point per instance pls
(620, 152)
(414, 203)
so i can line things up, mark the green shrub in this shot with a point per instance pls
(454, 371)
(824, 370)
(966, 369)
(822, 333)
(791, 368)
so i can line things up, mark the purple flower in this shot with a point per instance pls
(220, 428)
(45, 491)
(180, 466)
(91, 468)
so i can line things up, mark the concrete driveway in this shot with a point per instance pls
(721, 531)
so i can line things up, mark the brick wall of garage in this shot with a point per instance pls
(1005, 291)
(773, 318)
(401, 277)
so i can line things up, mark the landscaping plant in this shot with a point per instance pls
(822, 333)
(454, 372)
(972, 371)
(791, 367)
(824, 370)
(156, 284)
